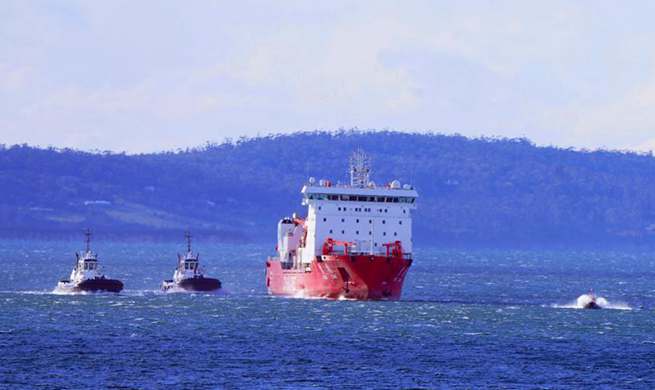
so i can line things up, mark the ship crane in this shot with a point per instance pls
(328, 246)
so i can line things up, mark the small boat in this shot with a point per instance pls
(86, 276)
(591, 301)
(188, 275)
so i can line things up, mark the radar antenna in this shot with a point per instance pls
(360, 169)
(87, 233)
(188, 241)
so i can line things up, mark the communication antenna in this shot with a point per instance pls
(87, 233)
(360, 169)
(188, 241)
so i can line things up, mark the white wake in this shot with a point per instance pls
(584, 299)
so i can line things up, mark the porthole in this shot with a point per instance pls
(383, 221)
(343, 232)
(400, 222)
(331, 231)
(324, 219)
(357, 220)
(343, 220)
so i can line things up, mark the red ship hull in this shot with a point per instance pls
(341, 276)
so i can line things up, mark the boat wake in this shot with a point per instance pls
(180, 290)
(583, 301)
(68, 291)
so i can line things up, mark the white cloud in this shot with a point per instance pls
(150, 75)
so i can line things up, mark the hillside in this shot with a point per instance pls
(490, 192)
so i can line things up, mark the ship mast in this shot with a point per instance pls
(87, 233)
(188, 241)
(360, 169)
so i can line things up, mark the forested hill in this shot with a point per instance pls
(477, 192)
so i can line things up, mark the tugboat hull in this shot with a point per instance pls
(92, 285)
(193, 284)
(361, 277)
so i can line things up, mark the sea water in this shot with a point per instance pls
(470, 319)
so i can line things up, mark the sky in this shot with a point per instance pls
(144, 76)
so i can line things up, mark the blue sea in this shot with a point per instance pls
(468, 319)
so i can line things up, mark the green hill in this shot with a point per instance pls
(490, 192)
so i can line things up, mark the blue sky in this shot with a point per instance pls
(150, 75)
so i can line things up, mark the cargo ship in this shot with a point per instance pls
(354, 243)
(86, 275)
(188, 275)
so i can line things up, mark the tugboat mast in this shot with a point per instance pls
(188, 241)
(87, 233)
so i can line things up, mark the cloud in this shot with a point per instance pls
(155, 75)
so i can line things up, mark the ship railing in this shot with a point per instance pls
(407, 256)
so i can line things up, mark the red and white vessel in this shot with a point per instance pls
(355, 243)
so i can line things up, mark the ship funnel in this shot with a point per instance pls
(360, 169)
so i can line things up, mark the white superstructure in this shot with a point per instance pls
(362, 213)
(86, 265)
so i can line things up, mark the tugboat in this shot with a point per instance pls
(188, 275)
(590, 301)
(86, 277)
(355, 243)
